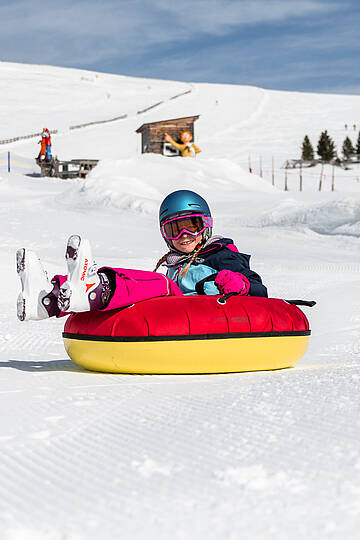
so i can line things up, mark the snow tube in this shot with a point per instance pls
(189, 334)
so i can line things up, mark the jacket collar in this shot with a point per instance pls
(215, 246)
(175, 259)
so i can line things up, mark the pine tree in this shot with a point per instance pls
(326, 147)
(357, 149)
(307, 153)
(347, 148)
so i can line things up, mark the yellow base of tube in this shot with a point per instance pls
(188, 356)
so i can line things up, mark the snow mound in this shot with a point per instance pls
(139, 183)
(341, 216)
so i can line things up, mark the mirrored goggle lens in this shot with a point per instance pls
(191, 224)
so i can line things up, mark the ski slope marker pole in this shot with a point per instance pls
(8, 162)
(321, 175)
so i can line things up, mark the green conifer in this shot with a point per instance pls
(357, 149)
(307, 153)
(326, 147)
(348, 149)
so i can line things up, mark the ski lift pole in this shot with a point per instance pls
(8, 162)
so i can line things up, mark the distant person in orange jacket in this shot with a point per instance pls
(46, 135)
(42, 152)
(186, 147)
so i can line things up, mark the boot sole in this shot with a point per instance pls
(73, 301)
(25, 309)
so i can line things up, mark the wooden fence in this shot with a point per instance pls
(283, 176)
(94, 123)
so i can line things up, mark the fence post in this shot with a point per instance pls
(8, 162)
(321, 174)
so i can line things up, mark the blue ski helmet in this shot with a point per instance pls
(184, 202)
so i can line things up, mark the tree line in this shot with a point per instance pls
(326, 149)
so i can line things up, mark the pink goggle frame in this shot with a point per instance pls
(206, 220)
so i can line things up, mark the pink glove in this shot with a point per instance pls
(232, 282)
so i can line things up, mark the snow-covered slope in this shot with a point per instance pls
(254, 455)
(55, 97)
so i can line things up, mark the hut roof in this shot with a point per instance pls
(193, 118)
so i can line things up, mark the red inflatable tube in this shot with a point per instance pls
(160, 328)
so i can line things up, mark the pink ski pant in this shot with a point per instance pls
(132, 286)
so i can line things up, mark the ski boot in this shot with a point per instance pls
(36, 301)
(85, 289)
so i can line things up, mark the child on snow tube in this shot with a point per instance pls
(194, 254)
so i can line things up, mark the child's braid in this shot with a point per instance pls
(160, 261)
(185, 270)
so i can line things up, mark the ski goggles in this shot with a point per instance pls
(193, 224)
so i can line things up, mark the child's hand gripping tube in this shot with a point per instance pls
(228, 282)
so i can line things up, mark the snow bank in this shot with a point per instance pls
(141, 182)
(341, 216)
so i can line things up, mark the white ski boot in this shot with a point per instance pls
(82, 278)
(35, 287)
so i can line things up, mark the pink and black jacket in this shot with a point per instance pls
(219, 255)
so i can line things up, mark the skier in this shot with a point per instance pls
(194, 254)
(186, 147)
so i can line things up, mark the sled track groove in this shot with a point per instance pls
(29, 339)
(154, 442)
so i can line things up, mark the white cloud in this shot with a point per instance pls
(215, 17)
(180, 40)
(74, 32)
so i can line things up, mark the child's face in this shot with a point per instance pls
(187, 242)
(185, 137)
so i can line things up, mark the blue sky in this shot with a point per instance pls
(304, 45)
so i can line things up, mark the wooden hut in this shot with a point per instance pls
(152, 134)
